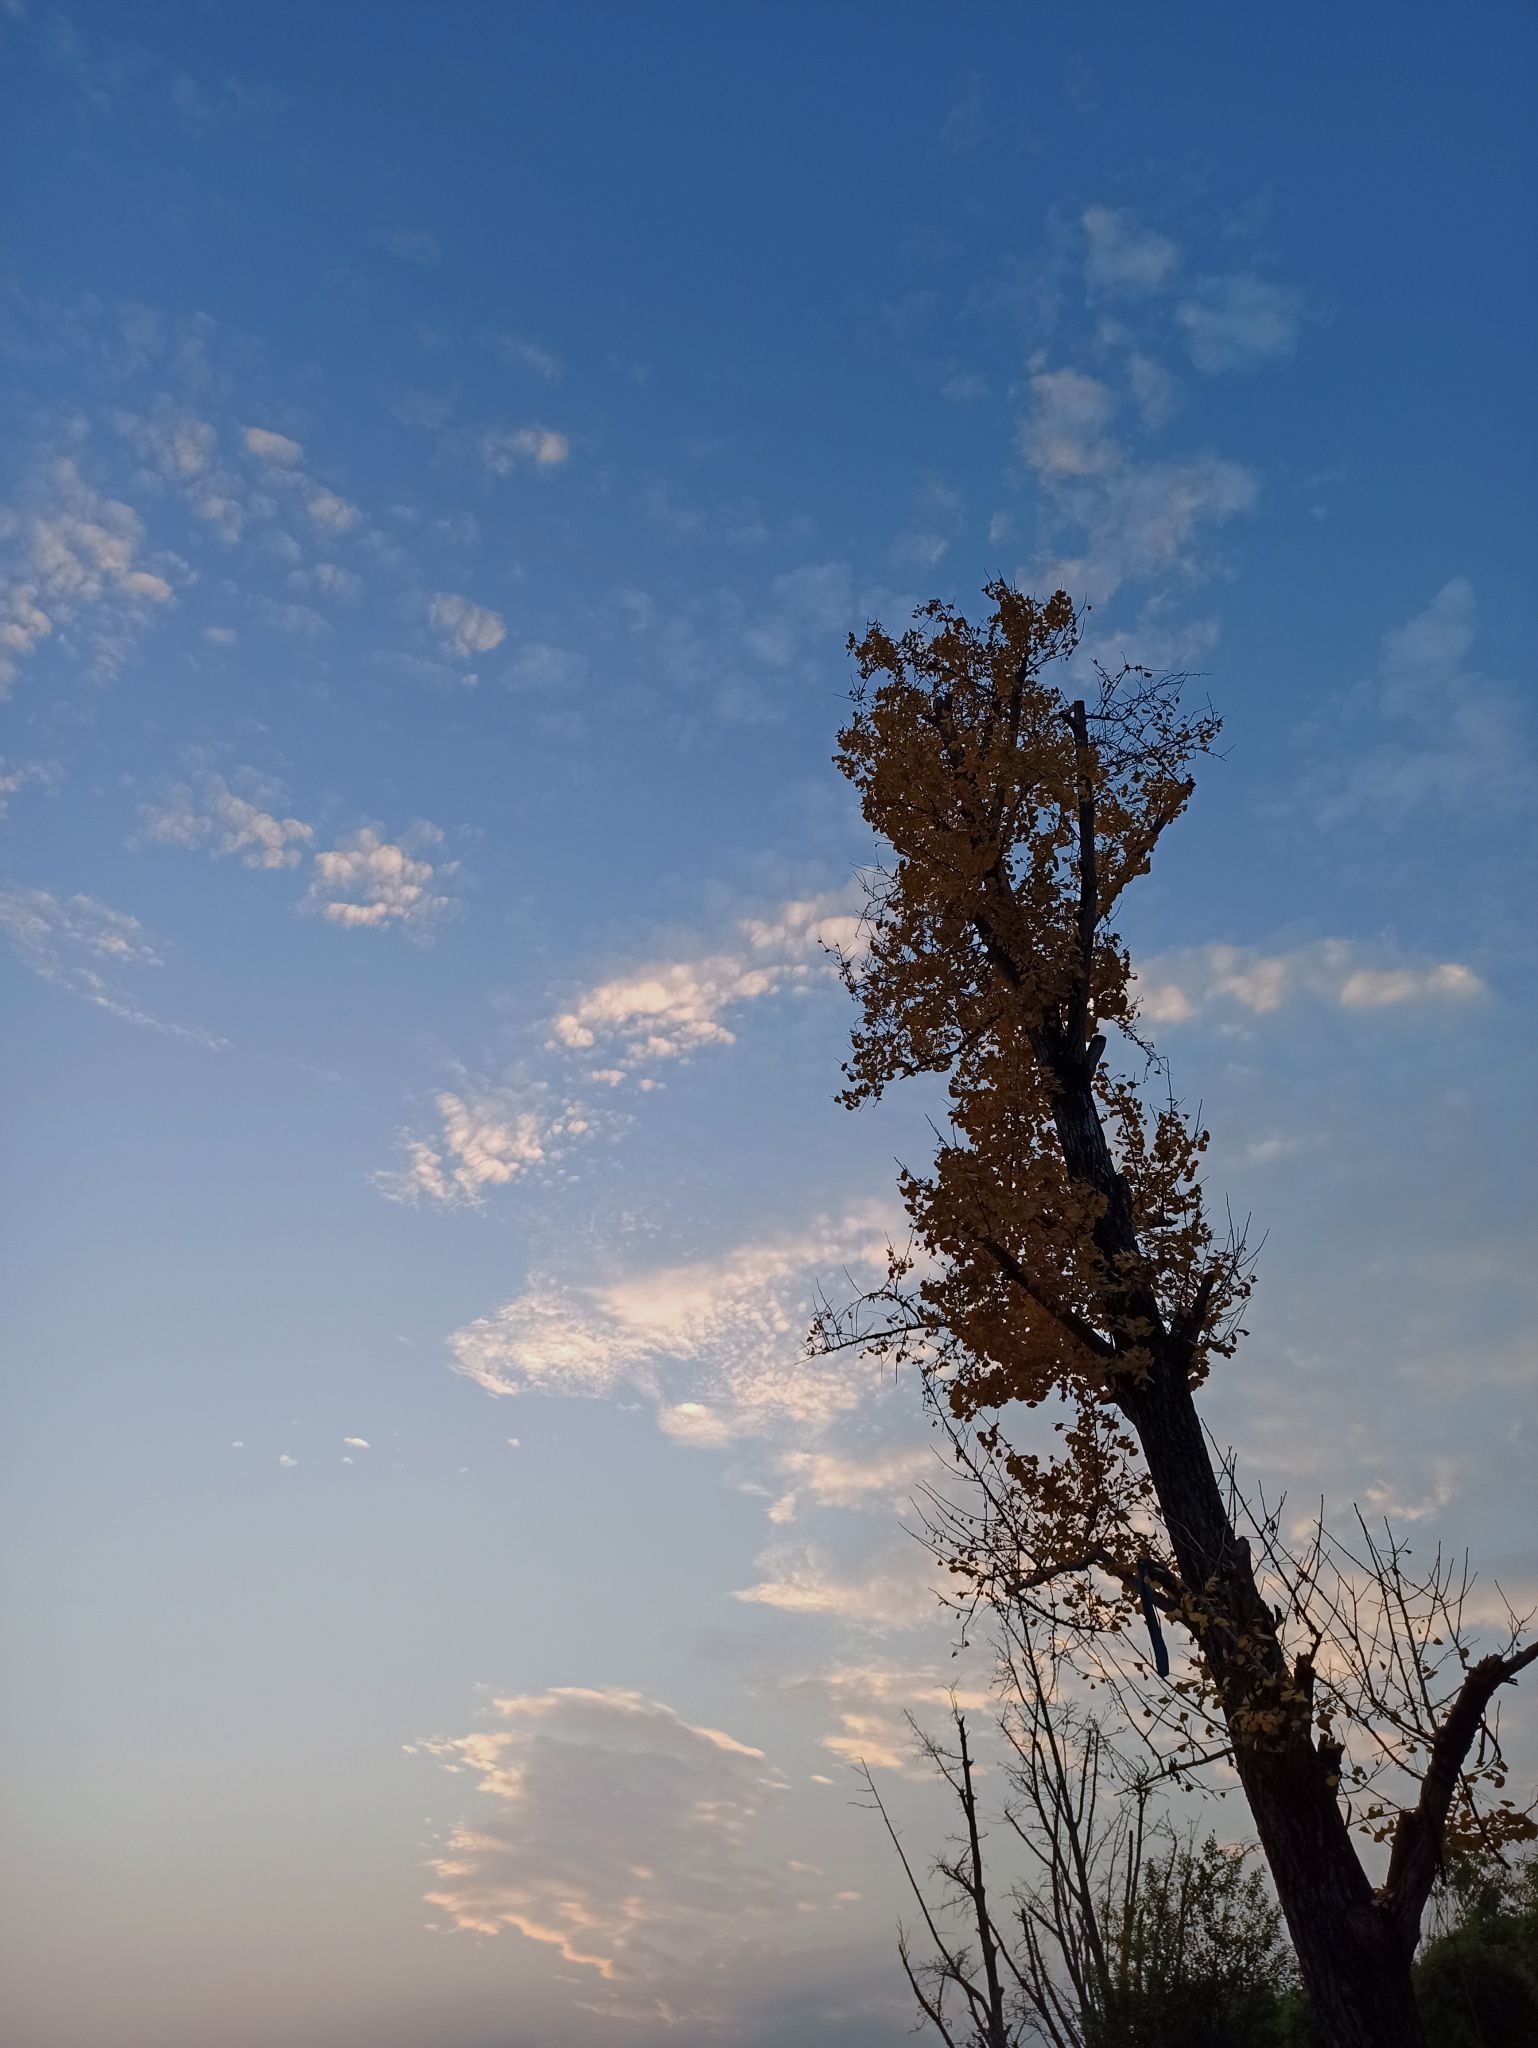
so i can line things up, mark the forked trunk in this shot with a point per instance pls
(1352, 1950)
(1353, 1956)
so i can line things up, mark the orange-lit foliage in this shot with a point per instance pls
(988, 960)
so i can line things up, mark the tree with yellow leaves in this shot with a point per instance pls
(1062, 1253)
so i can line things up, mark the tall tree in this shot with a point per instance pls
(1062, 1248)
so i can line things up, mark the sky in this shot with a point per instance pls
(445, 451)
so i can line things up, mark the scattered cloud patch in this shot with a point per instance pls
(1240, 322)
(966, 387)
(1174, 987)
(180, 450)
(465, 628)
(1065, 432)
(519, 353)
(334, 514)
(1121, 255)
(1140, 521)
(871, 1703)
(365, 880)
(18, 775)
(1267, 1151)
(715, 1347)
(485, 1139)
(619, 1834)
(73, 567)
(1442, 737)
(331, 580)
(741, 661)
(301, 621)
(84, 946)
(670, 1009)
(277, 449)
(896, 1590)
(538, 665)
(886, 1477)
(505, 449)
(937, 522)
(207, 812)
(1389, 1499)
(369, 882)
(739, 522)
(1154, 391)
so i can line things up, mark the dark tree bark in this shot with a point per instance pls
(1355, 1944)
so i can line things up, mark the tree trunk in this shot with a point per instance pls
(1352, 1951)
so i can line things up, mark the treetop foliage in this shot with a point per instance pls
(1017, 819)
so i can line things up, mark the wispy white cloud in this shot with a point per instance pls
(1139, 521)
(73, 564)
(1123, 256)
(505, 449)
(16, 775)
(736, 522)
(465, 628)
(539, 665)
(1066, 429)
(1431, 731)
(1154, 390)
(330, 511)
(870, 1705)
(670, 1009)
(966, 387)
(740, 660)
(275, 448)
(329, 579)
(1175, 986)
(1240, 322)
(716, 1347)
(1390, 1500)
(301, 621)
(207, 812)
(519, 353)
(883, 1477)
(612, 1036)
(486, 1138)
(84, 946)
(281, 460)
(622, 1836)
(896, 1589)
(937, 521)
(180, 450)
(365, 880)
(370, 882)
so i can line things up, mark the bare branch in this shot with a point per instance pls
(1417, 1852)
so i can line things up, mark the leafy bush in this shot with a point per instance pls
(1477, 1982)
(1202, 1959)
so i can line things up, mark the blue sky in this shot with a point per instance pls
(445, 450)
